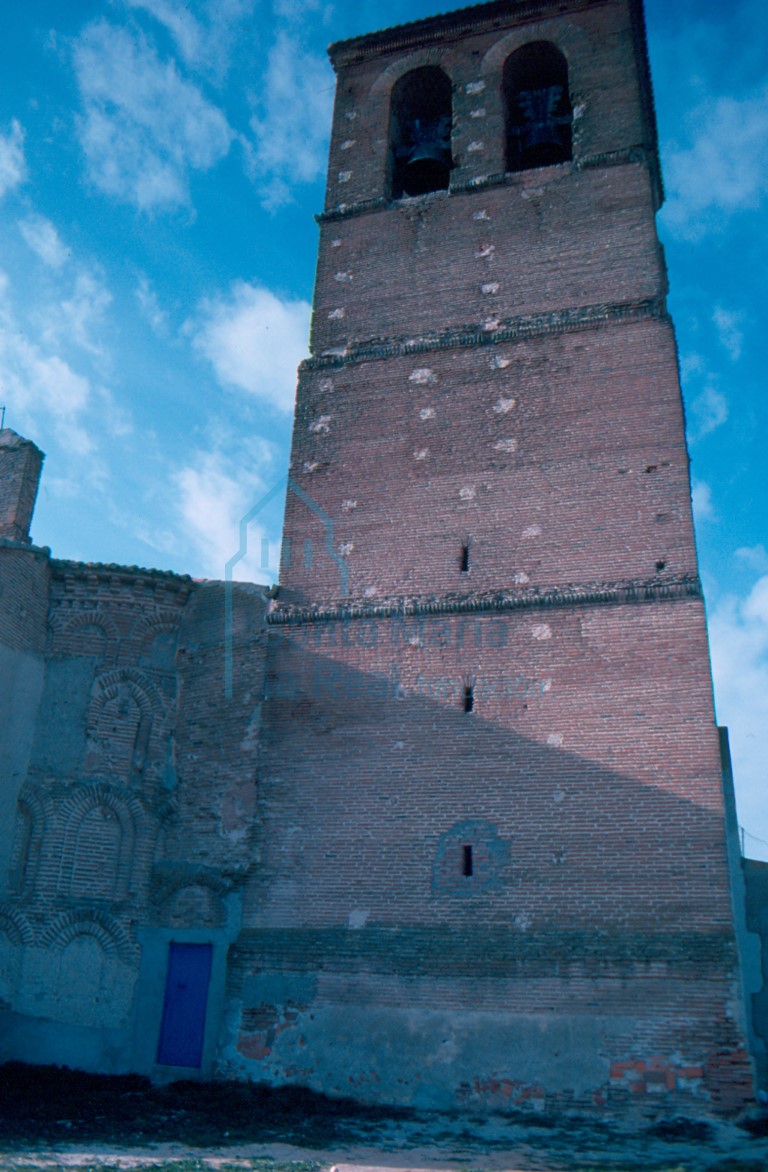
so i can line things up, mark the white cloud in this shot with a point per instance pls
(76, 318)
(739, 638)
(723, 170)
(150, 307)
(728, 324)
(212, 495)
(13, 168)
(291, 127)
(254, 341)
(708, 411)
(144, 128)
(204, 31)
(42, 237)
(701, 496)
(755, 557)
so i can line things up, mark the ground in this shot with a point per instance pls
(55, 1119)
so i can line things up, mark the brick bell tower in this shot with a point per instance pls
(493, 866)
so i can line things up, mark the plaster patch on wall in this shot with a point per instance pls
(422, 377)
(337, 314)
(326, 385)
(370, 592)
(421, 453)
(351, 115)
(358, 919)
(469, 493)
(310, 466)
(558, 796)
(498, 362)
(555, 739)
(492, 323)
(427, 413)
(345, 176)
(321, 425)
(336, 243)
(485, 250)
(481, 215)
(474, 87)
(531, 193)
(502, 405)
(478, 113)
(345, 548)
(348, 505)
(506, 445)
(475, 146)
(532, 531)
(541, 631)
(521, 579)
(546, 685)
(342, 276)
(523, 921)
(491, 287)
(348, 144)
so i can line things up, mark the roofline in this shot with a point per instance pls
(477, 18)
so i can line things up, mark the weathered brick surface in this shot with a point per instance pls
(22, 462)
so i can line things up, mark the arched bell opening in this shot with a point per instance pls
(537, 102)
(420, 133)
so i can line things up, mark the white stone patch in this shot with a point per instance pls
(346, 547)
(491, 288)
(532, 531)
(345, 176)
(477, 180)
(414, 641)
(336, 243)
(521, 578)
(475, 87)
(423, 377)
(342, 276)
(523, 921)
(348, 144)
(348, 506)
(558, 796)
(399, 744)
(485, 250)
(310, 466)
(475, 147)
(337, 314)
(502, 406)
(370, 592)
(505, 445)
(546, 686)
(326, 385)
(321, 425)
(427, 413)
(469, 493)
(351, 115)
(421, 453)
(358, 919)
(481, 215)
(492, 323)
(498, 362)
(542, 631)
(478, 113)
(531, 193)
(555, 739)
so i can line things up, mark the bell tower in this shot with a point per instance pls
(493, 867)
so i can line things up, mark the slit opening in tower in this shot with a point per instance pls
(469, 698)
(464, 562)
(537, 102)
(467, 862)
(420, 123)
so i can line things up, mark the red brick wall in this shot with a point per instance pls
(20, 465)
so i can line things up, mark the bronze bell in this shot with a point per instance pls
(426, 160)
(541, 132)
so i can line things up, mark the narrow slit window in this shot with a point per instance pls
(469, 698)
(467, 862)
(465, 558)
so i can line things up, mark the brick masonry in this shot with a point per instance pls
(457, 837)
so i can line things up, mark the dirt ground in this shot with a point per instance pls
(56, 1119)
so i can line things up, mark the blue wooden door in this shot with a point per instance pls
(182, 1032)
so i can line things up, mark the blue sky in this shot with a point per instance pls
(160, 164)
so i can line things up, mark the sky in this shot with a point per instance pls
(160, 166)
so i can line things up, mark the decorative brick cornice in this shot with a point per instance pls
(658, 589)
(479, 18)
(534, 325)
(627, 156)
(106, 574)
